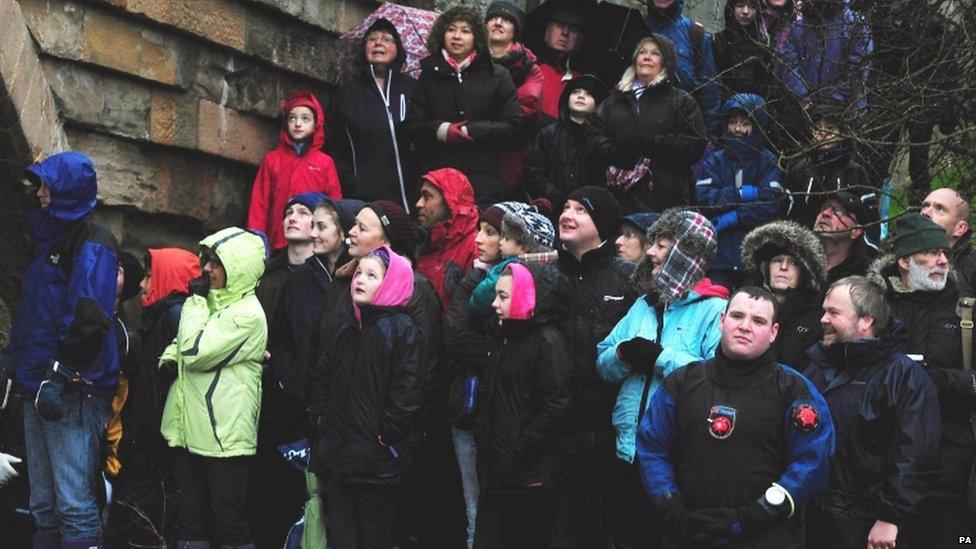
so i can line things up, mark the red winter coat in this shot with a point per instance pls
(528, 79)
(552, 86)
(283, 173)
(451, 251)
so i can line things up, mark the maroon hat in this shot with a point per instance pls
(400, 229)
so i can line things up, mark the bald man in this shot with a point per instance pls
(951, 211)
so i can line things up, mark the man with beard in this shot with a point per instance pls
(923, 297)
(838, 228)
(886, 416)
(732, 446)
(951, 211)
(675, 322)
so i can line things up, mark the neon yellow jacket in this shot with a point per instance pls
(213, 405)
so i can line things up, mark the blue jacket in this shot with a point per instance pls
(68, 298)
(828, 59)
(699, 79)
(743, 161)
(690, 333)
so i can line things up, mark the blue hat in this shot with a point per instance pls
(309, 200)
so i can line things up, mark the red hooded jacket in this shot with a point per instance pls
(451, 241)
(284, 173)
(171, 270)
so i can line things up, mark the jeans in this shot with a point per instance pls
(212, 492)
(466, 457)
(66, 466)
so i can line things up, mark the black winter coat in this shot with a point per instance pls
(557, 164)
(485, 97)
(149, 384)
(934, 333)
(600, 294)
(525, 399)
(665, 126)
(374, 158)
(886, 419)
(799, 327)
(820, 173)
(466, 347)
(372, 387)
(856, 263)
(964, 262)
(276, 271)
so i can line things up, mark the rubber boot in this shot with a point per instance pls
(47, 539)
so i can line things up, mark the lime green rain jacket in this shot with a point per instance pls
(213, 405)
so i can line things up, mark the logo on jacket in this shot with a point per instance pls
(54, 259)
(805, 417)
(721, 422)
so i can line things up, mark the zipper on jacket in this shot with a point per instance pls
(393, 136)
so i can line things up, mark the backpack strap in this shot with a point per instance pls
(659, 311)
(966, 305)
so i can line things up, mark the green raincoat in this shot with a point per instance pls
(212, 407)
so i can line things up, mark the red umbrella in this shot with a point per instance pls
(413, 25)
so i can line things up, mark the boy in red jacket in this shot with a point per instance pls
(297, 165)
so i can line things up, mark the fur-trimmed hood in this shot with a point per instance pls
(762, 243)
(884, 271)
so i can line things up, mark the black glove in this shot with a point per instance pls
(50, 393)
(200, 285)
(672, 509)
(713, 526)
(6, 380)
(640, 353)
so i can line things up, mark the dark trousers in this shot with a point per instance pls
(360, 516)
(579, 518)
(941, 522)
(212, 491)
(832, 527)
(515, 521)
(632, 520)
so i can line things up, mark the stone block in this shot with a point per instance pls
(219, 21)
(95, 98)
(227, 133)
(173, 119)
(129, 47)
(57, 25)
(302, 49)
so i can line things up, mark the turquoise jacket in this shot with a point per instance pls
(691, 333)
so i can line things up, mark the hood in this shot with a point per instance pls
(242, 253)
(397, 286)
(172, 269)
(745, 149)
(884, 271)
(863, 353)
(523, 292)
(70, 177)
(302, 99)
(536, 295)
(751, 104)
(382, 24)
(771, 239)
(669, 14)
(435, 39)
(756, 30)
(706, 288)
(590, 83)
(694, 248)
(459, 197)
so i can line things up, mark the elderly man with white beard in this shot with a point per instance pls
(920, 287)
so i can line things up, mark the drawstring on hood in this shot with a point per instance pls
(242, 254)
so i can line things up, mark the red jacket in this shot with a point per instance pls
(284, 173)
(529, 81)
(552, 87)
(451, 245)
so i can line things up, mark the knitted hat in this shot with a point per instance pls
(133, 273)
(309, 200)
(509, 10)
(694, 247)
(602, 207)
(400, 229)
(531, 229)
(494, 214)
(918, 234)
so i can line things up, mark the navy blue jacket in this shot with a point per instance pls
(886, 412)
(67, 302)
(743, 161)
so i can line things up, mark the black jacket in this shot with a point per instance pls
(467, 348)
(485, 97)
(372, 387)
(856, 263)
(276, 271)
(810, 180)
(743, 56)
(886, 418)
(149, 384)
(525, 399)
(799, 327)
(964, 262)
(934, 333)
(665, 126)
(600, 294)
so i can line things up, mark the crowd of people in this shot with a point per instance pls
(508, 305)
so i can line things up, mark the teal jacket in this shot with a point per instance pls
(691, 333)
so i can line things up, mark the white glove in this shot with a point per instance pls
(7, 471)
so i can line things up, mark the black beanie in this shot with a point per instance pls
(400, 229)
(602, 207)
(132, 276)
(509, 10)
(918, 234)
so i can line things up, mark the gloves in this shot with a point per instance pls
(640, 353)
(457, 134)
(200, 285)
(715, 526)
(749, 193)
(672, 509)
(6, 380)
(726, 220)
(50, 393)
(7, 471)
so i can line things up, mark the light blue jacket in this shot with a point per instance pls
(691, 333)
